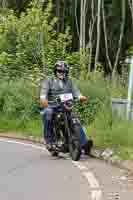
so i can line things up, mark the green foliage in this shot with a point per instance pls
(74, 63)
(31, 128)
(97, 92)
(88, 111)
(117, 135)
(30, 42)
(130, 51)
(17, 99)
(95, 86)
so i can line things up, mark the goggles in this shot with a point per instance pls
(61, 71)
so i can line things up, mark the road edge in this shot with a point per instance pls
(124, 164)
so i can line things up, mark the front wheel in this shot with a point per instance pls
(54, 154)
(74, 144)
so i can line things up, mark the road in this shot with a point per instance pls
(28, 172)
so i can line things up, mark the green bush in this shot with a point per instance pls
(117, 135)
(97, 92)
(102, 125)
(30, 42)
(17, 99)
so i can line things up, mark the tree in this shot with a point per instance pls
(105, 37)
(98, 33)
(30, 43)
(130, 2)
(121, 36)
(99, 27)
(83, 24)
(4, 3)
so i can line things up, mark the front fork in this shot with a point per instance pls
(71, 120)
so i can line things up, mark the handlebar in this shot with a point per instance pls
(74, 100)
(68, 104)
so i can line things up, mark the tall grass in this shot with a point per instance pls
(18, 107)
(17, 99)
(106, 130)
(98, 93)
(18, 112)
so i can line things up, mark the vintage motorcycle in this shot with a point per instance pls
(66, 127)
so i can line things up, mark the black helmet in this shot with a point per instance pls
(62, 66)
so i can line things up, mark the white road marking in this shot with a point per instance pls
(79, 165)
(95, 194)
(91, 179)
(22, 143)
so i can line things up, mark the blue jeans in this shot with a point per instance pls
(48, 128)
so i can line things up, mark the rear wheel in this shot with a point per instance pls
(74, 144)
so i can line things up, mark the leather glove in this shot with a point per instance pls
(83, 99)
(44, 103)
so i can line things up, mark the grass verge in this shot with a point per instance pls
(29, 128)
(117, 135)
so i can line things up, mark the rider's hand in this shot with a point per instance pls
(83, 99)
(44, 103)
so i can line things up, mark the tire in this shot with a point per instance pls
(74, 144)
(75, 151)
(54, 153)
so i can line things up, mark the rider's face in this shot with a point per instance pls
(60, 74)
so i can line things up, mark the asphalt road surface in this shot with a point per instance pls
(28, 172)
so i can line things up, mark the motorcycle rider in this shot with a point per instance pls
(59, 84)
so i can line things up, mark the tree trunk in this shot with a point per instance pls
(98, 34)
(130, 3)
(121, 37)
(62, 15)
(58, 14)
(4, 3)
(84, 24)
(76, 19)
(105, 37)
(91, 29)
(43, 52)
(81, 23)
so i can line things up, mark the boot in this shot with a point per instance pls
(87, 147)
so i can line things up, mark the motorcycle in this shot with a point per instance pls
(66, 127)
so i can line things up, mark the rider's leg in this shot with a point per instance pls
(85, 141)
(76, 120)
(48, 127)
(83, 137)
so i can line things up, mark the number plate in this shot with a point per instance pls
(66, 97)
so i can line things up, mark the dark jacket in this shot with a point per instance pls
(49, 88)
